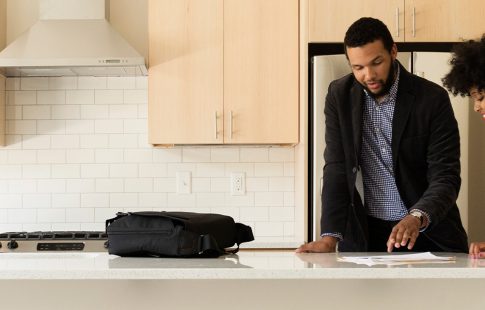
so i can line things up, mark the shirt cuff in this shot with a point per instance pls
(336, 235)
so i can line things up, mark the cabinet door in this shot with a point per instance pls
(185, 82)
(444, 20)
(330, 19)
(261, 71)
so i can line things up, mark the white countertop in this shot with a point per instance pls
(271, 264)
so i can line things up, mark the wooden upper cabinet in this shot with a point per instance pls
(185, 82)
(223, 71)
(330, 19)
(261, 71)
(407, 20)
(444, 20)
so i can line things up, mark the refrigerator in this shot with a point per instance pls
(326, 68)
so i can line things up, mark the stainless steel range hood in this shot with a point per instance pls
(71, 38)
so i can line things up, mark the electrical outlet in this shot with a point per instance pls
(238, 183)
(184, 182)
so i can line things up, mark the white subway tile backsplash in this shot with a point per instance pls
(92, 82)
(66, 171)
(108, 96)
(94, 141)
(77, 152)
(10, 201)
(228, 155)
(281, 184)
(13, 112)
(51, 127)
(10, 171)
(80, 97)
(94, 170)
(21, 127)
(79, 126)
(123, 171)
(250, 154)
(123, 200)
(21, 156)
(124, 111)
(42, 171)
(51, 215)
(80, 156)
(121, 82)
(281, 154)
(94, 111)
(66, 112)
(109, 185)
(64, 141)
(95, 200)
(52, 186)
(65, 82)
(37, 201)
(80, 185)
(36, 112)
(51, 156)
(135, 96)
(165, 155)
(51, 97)
(12, 84)
(268, 198)
(36, 142)
(108, 126)
(153, 170)
(83, 215)
(269, 169)
(34, 83)
(109, 156)
(66, 201)
(22, 186)
(22, 215)
(21, 97)
(135, 126)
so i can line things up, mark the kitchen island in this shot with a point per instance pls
(249, 280)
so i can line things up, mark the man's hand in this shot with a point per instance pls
(327, 244)
(405, 232)
(477, 249)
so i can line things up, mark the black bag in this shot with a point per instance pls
(174, 234)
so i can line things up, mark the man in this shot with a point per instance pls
(392, 141)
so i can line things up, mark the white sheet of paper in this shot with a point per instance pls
(397, 259)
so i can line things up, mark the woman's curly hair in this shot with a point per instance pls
(468, 67)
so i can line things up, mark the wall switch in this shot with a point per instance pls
(238, 183)
(184, 182)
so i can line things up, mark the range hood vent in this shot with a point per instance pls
(71, 38)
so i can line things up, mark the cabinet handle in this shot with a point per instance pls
(397, 22)
(230, 126)
(414, 22)
(215, 123)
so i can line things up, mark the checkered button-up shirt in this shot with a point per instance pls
(382, 199)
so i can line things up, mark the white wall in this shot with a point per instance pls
(77, 153)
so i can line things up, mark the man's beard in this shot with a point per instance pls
(386, 86)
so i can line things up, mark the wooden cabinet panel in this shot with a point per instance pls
(330, 19)
(261, 71)
(444, 20)
(185, 84)
(223, 71)
(407, 20)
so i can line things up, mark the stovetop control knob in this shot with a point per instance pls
(12, 245)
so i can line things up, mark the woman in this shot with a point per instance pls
(467, 78)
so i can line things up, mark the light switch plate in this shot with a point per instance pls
(184, 182)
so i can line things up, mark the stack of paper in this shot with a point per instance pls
(397, 259)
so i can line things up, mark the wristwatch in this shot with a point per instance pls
(419, 215)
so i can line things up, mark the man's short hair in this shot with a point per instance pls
(367, 30)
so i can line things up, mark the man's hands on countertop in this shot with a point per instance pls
(327, 244)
